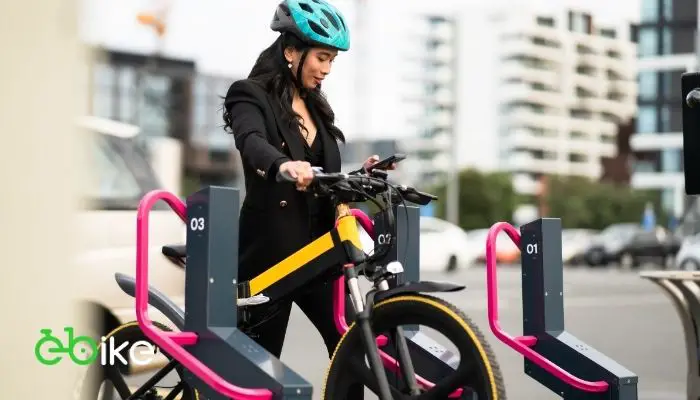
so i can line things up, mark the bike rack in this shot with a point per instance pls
(684, 291)
(553, 356)
(217, 357)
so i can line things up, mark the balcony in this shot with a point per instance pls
(444, 97)
(524, 46)
(587, 169)
(590, 83)
(624, 68)
(657, 180)
(531, 118)
(525, 139)
(517, 70)
(524, 92)
(522, 161)
(651, 141)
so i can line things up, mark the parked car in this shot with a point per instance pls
(629, 244)
(506, 251)
(688, 257)
(574, 244)
(120, 176)
(443, 246)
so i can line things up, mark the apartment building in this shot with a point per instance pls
(430, 98)
(667, 45)
(565, 82)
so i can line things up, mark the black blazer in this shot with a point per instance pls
(274, 220)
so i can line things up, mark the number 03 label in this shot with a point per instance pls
(197, 224)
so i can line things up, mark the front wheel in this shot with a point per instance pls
(477, 371)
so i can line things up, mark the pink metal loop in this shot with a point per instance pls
(172, 342)
(522, 344)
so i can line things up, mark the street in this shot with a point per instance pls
(616, 312)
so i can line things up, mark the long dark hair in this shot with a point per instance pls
(271, 72)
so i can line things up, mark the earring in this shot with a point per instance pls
(289, 65)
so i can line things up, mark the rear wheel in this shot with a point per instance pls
(118, 381)
(476, 370)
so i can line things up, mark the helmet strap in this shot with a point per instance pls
(298, 79)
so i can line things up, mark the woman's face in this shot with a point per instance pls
(317, 64)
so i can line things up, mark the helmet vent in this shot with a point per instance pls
(325, 23)
(306, 8)
(342, 22)
(314, 27)
(331, 19)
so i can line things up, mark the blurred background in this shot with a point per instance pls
(508, 110)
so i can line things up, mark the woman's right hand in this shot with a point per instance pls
(299, 170)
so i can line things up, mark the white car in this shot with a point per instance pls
(121, 176)
(443, 246)
(574, 243)
(688, 257)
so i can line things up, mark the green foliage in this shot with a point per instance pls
(486, 198)
(582, 203)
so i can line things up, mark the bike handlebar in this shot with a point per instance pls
(523, 344)
(337, 177)
(374, 184)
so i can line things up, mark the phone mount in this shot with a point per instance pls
(553, 356)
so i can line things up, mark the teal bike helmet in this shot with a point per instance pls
(315, 22)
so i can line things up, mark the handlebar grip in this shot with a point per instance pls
(283, 176)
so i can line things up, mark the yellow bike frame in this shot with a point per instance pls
(339, 246)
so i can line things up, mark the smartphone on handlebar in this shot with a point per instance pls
(387, 162)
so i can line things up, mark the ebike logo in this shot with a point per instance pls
(83, 350)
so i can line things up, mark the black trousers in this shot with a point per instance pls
(267, 325)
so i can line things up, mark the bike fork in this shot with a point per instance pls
(405, 362)
(368, 336)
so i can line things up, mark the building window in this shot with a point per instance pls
(103, 102)
(608, 33)
(579, 22)
(678, 40)
(649, 11)
(648, 41)
(647, 119)
(648, 85)
(671, 160)
(671, 118)
(671, 84)
(667, 9)
(545, 21)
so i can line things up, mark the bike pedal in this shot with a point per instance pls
(252, 301)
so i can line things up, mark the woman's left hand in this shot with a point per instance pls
(375, 159)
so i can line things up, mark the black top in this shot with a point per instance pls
(314, 155)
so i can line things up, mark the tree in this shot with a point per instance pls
(583, 203)
(484, 199)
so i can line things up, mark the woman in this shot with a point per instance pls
(281, 121)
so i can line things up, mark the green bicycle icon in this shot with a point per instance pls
(81, 349)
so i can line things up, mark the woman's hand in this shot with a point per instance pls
(375, 159)
(299, 170)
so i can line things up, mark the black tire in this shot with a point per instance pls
(477, 370)
(97, 373)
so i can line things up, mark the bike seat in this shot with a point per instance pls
(175, 250)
